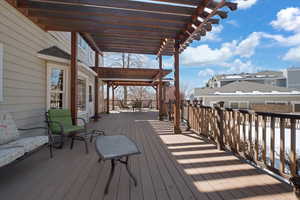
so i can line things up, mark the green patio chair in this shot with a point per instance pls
(60, 123)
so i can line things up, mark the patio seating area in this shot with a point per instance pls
(181, 166)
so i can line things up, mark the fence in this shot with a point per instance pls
(266, 139)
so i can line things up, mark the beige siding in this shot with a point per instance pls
(24, 73)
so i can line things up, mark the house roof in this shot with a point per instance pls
(56, 52)
(243, 88)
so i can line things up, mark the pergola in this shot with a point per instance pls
(115, 77)
(157, 27)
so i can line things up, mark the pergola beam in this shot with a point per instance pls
(99, 11)
(130, 5)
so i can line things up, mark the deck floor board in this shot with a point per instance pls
(171, 167)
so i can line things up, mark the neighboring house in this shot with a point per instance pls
(250, 95)
(35, 68)
(275, 78)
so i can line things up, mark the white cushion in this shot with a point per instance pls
(29, 143)
(9, 154)
(8, 129)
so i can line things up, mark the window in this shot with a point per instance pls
(90, 93)
(234, 105)
(1, 73)
(81, 95)
(57, 88)
(239, 105)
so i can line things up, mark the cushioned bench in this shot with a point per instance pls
(12, 144)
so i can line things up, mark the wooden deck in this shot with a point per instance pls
(171, 167)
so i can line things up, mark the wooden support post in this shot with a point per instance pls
(160, 87)
(113, 97)
(74, 76)
(96, 104)
(107, 98)
(157, 101)
(177, 90)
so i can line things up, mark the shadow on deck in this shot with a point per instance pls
(170, 167)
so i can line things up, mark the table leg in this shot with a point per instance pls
(129, 172)
(111, 174)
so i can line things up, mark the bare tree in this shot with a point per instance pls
(130, 61)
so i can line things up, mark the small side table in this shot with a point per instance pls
(116, 148)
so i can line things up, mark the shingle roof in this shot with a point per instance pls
(56, 52)
(243, 87)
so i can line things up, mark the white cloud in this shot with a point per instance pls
(288, 19)
(204, 55)
(293, 54)
(214, 34)
(238, 66)
(206, 73)
(245, 4)
(233, 23)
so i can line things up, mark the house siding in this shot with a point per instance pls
(25, 75)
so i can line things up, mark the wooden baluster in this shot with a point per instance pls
(264, 140)
(256, 138)
(272, 155)
(282, 145)
(250, 143)
(198, 119)
(235, 126)
(244, 133)
(238, 133)
(293, 157)
(188, 116)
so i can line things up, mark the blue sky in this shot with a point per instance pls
(260, 35)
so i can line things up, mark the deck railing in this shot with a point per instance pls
(266, 139)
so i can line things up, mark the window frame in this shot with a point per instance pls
(1, 72)
(51, 66)
(239, 104)
(85, 78)
(293, 104)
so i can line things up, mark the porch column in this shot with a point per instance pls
(74, 75)
(96, 88)
(160, 88)
(177, 90)
(107, 98)
(157, 101)
(113, 97)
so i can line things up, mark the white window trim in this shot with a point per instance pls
(1, 73)
(84, 77)
(239, 102)
(276, 102)
(51, 66)
(293, 103)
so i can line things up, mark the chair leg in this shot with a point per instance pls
(129, 172)
(72, 143)
(111, 174)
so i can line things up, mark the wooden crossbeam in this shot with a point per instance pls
(90, 40)
(131, 5)
(100, 12)
(102, 20)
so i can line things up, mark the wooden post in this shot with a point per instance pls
(293, 156)
(107, 98)
(177, 90)
(282, 145)
(157, 101)
(74, 76)
(96, 104)
(160, 87)
(113, 97)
